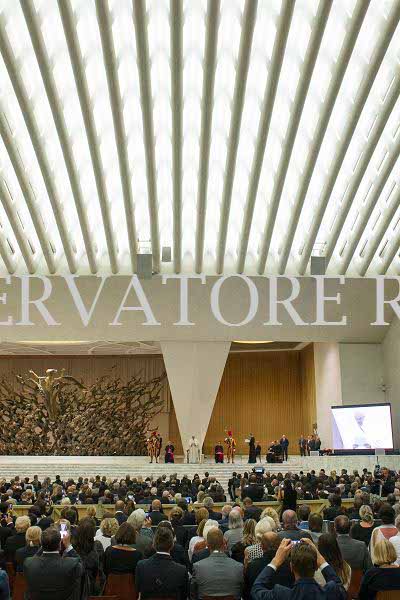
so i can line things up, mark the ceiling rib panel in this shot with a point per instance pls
(245, 136)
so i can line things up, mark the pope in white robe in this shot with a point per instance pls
(193, 451)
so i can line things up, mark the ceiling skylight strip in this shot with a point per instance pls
(210, 63)
(368, 208)
(110, 65)
(246, 37)
(327, 108)
(16, 226)
(176, 32)
(77, 63)
(27, 191)
(143, 61)
(32, 21)
(351, 123)
(314, 44)
(36, 139)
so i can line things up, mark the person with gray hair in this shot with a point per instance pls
(290, 530)
(208, 503)
(235, 531)
(144, 533)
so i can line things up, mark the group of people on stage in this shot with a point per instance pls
(309, 444)
(277, 451)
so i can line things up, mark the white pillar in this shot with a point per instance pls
(328, 388)
(391, 362)
(194, 371)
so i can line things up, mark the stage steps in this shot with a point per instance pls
(119, 466)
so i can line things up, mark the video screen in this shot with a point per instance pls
(362, 427)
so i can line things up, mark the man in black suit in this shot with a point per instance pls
(119, 512)
(270, 543)
(159, 575)
(49, 576)
(284, 443)
(290, 530)
(251, 511)
(302, 445)
(253, 490)
(155, 514)
(209, 505)
(305, 560)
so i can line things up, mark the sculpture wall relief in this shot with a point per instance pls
(57, 414)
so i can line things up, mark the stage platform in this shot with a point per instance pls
(119, 466)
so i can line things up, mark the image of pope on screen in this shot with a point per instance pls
(362, 427)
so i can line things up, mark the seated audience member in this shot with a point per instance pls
(248, 539)
(123, 556)
(4, 586)
(217, 575)
(176, 520)
(354, 512)
(271, 512)
(33, 539)
(363, 529)
(334, 509)
(315, 523)
(354, 552)
(159, 576)
(17, 540)
(305, 559)
(202, 514)
(224, 522)
(253, 490)
(265, 525)
(91, 513)
(208, 503)
(303, 514)
(119, 512)
(251, 511)
(144, 533)
(235, 530)
(395, 540)
(384, 576)
(270, 543)
(48, 576)
(329, 549)
(89, 551)
(201, 549)
(108, 528)
(290, 529)
(189, 517)
(178, 553)
(384, 531)
(155, 514)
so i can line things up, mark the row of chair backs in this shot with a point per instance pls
(121, 585)
(355, 584)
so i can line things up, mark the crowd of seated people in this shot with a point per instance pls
(196, 549)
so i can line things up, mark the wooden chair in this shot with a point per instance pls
(20, 587)
(355, 584)
(121, 585)
(11, 574)
(388, 595)
(218, 597)
(103, 597)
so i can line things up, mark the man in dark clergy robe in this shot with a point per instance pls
(284, 442)
(169, 453)
(219, 453)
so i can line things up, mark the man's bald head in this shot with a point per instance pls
(215, 540)
(270, 541)
(289, 519)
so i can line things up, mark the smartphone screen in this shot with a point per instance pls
(63, 530)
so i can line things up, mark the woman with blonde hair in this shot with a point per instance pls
(33, 537)
(264, 525)
(271, 512)
(362, 530)
(108, 528)
(384, 576)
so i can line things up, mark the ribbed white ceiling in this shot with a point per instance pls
(244, 135)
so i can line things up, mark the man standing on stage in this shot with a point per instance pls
(230, 442)
(284, 442)
(252, 449)
(219, 453)
(302, 445)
